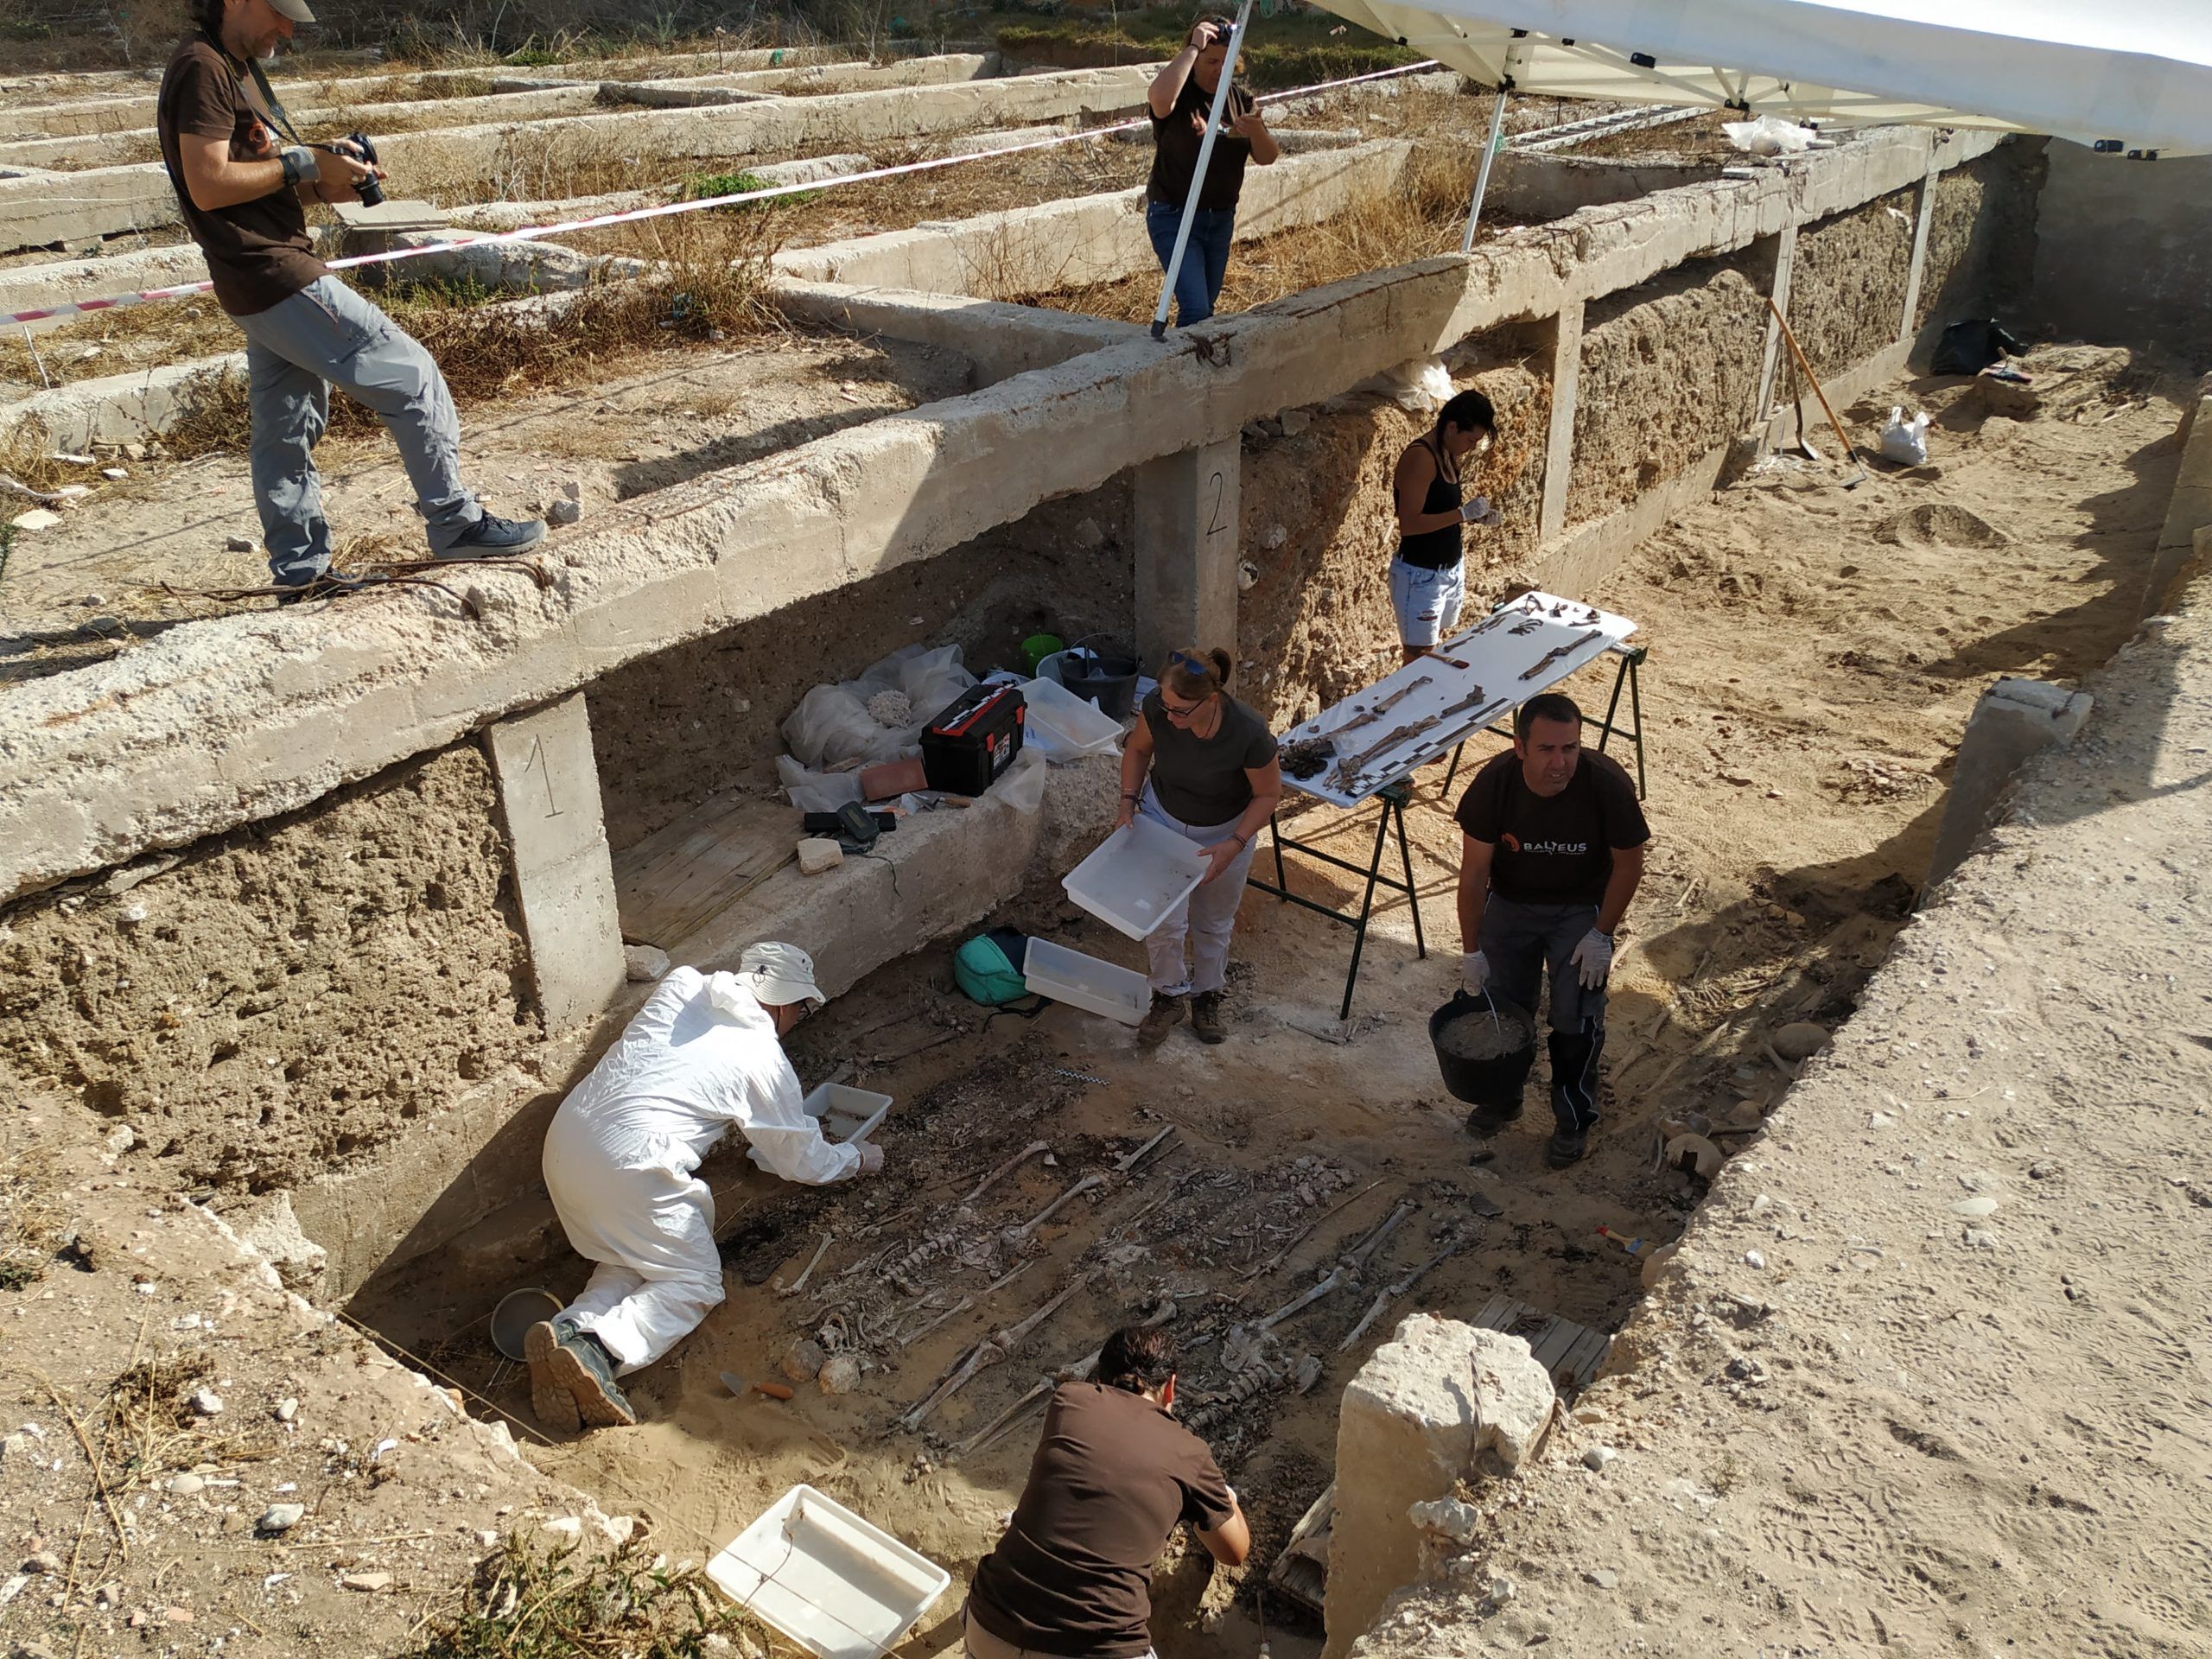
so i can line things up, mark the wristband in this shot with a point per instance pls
(300, 165)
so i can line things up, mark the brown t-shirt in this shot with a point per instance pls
(1175, 142)
(257, 252)
(1113, 1475)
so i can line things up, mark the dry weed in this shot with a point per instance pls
(30, 1220)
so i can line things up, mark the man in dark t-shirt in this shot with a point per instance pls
(1180, 99)
(1114, 1474)
(1553, 852)
(244, 190)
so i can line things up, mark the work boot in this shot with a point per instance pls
(1206, 1023)
(1489, 1120)
(330, 584)
(493, 536)
(578, 1361)
(1167, 1014)
(552, 1402)
(1565, 1147)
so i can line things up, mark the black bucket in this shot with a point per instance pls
(1493, 1083)
(1106, 677)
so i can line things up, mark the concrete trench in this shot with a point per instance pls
(442, 838)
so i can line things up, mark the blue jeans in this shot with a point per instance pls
(1206, 260)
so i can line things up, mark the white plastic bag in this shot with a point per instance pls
(1770, 136)
(816, 791)
(1420, 386)
(1021, 785)
(831, 726)
(1905, 442)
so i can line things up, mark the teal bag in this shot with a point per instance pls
(985, 967)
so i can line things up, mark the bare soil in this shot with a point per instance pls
(1810, 671)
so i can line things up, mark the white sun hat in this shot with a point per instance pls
(778, 975)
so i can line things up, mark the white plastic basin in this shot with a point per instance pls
(847, 1114)
(1136, 877)
(1085, 982)
(838, 1585)
(1073, 724)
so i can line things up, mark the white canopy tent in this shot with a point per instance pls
(2130, 76)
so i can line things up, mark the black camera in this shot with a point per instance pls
(369, 190)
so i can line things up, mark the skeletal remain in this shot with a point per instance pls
(928, 1250)
(1081, 1371)
(1353, 769)
(1137, 1157)
(1021, 1234)
(1005, 1170)
(799, 1283)
(1304, 1233)
(1348, 1268)
(954, 1312)
(1558, 651)
(1369, 716)
(1389, 1294)
(990, 1352)
(1251, 1383)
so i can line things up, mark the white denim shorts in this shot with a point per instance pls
(1428, 601)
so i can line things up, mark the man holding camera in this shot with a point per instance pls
(245, 198)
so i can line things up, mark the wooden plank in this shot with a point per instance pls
(1550, 1345)
(1499, 1312)
(673, 883)
(1583, 1359)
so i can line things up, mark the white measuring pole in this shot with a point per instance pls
(1198, 177)
(1482, 178)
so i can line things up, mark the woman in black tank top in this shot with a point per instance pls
(1426, 579)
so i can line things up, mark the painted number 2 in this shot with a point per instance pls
(537, 763)
(1215, 523)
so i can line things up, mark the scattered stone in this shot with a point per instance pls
(645, 964)
(238, 545)
(13, 1447)
(1800, 1039)
(1975, 1209)
(36, 519)
(2041, 1170)
(31, 1650)
(1754, 1259)
(1088, 534)
(565, 512)
(818, 855)
(177, 1615)
(1276, 535)
(43, 1561)
(803, 1360)
(617, 1529)
(1980, 1238)
(1598, 1457)
(207, 1402)
(1603, 1577)
(186, 1486)
(1501, 1590)
(1295, 421)
(367, 1582)
(281, 1517)
(287, 1410)
(841, 1375)
(566, 1526)
(1449, 1516)
(1307, 1376)
(268, 1225)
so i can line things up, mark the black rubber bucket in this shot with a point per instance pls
(1106, 677)
(1502, 1035)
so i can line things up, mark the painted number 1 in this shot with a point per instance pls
(537, 764)
(1215, 523)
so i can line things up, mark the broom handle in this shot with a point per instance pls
(1826, 408)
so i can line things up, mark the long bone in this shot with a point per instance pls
(990, 1352)
(1081, 1371)
(1021, 1234)
(1005, 1170)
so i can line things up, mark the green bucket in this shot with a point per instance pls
(1037, 648)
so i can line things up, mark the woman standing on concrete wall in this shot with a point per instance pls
(1181, 95)
(1428, 578)
(1203, 764)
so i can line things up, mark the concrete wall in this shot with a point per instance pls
(1085, 240)
(1552, 187)
(223, 722)
(2124, 251)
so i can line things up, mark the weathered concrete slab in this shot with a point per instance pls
(2189, 510)
(1186, 517)
(860, 76)
(1002, 340)
(2014, 721)
(227, 722)
(1098, 238)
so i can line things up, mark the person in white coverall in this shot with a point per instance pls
(700, 1057)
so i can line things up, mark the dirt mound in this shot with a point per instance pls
(1937, 524)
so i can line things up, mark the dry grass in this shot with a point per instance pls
(27, 456)
(116, 342)
(30, 1220)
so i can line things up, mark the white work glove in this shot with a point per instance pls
(1474, 972)
(871, 1159)
(1479, 512)
(1594, 959)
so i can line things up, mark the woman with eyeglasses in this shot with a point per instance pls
(1203, 764)
(1428, 579)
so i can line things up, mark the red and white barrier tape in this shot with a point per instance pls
(540, 232)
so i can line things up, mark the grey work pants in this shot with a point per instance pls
(325, 335)
(1525, 943)
(1206, 918)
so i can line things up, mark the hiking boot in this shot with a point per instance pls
(550, 1402)
(493, 536)
(1167, 1014)
(330, 584)
(1489, 1120)
(1567, 1147)
(578, 1362)
(1206, 1022)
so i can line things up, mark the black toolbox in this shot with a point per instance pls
(967, 746)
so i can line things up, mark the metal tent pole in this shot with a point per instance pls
(1198, 177)
(1482, 178)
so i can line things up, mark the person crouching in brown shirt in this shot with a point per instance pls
(1114, 1474)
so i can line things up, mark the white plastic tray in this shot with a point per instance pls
(838, 1585)
(1075, 724)
(1085, 982)
(847, 1114)
(1136, 876)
